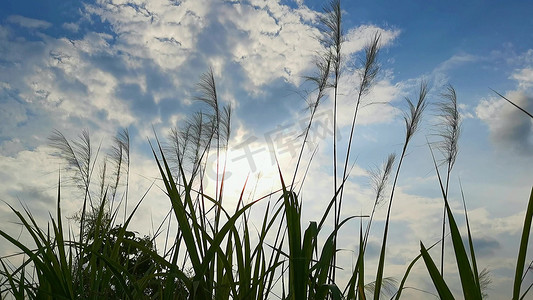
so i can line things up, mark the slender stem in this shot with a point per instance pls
(444, 220)
(349, 148)
(337, 205)
(379, 275)
(308, 128)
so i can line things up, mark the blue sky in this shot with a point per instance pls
(107, 65)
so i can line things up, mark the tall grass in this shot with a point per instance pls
(211, 251)
(332, 39)
(450, 129)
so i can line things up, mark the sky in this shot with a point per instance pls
(106, 65)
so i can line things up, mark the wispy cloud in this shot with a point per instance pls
(28, 22)
(441, 73)
(73, 27)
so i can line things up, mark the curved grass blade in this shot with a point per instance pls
(470, 289)
(404, 279)
(470, 242)
(523, 248)
(436, 277)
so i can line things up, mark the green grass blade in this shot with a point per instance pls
(121, 273)
(520, 263)
(470, 289)
(160, 260)
(179, 211)
(42, 257)
(259, 256)
(58, 233)
(309, 244)
(322, 267)
(471, 243)
(361, 266)
(18, 293)
(406, 274)
(219, 237)
(436, 277)
(247, 270)
(297, 283)
(331, 289)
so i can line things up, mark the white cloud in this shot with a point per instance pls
(28, 22)
(509, 127)
(11, 147)
(24, 170)
(455, 61)
(374, 108)
(74, 27)
(26, 177)
(465, 111)
(59, 77)
(80, 78)
(485, 222)
(524, 78)
(14, 112)
(440, 73)
(165, 32)
(357, 38)
(271, 41)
